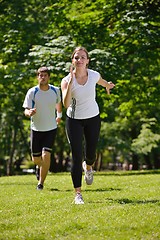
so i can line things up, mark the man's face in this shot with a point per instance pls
(43, 78)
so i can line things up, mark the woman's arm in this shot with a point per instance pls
(66, 89)
(66, 92)
(107, 85)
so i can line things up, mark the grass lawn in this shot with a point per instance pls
(119, 205)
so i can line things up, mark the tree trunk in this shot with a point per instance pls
(12, 150)
(156, 159)
(98, 162)
(135, 162)
(148, 161)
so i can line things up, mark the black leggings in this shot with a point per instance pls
(77, 131)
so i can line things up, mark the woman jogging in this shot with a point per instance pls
(83, 118)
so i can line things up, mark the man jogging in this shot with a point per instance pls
(41, 102)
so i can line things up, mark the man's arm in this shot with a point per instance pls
(59, 112)
(29, 112)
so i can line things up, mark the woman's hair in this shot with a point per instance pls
(43, 69)
(79, 49)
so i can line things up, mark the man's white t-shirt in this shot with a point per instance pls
(83, 103)
(45, 103)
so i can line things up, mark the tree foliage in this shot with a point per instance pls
(122, 38)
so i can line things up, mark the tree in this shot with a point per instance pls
(122, 38)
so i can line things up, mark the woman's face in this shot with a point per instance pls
(80, 59)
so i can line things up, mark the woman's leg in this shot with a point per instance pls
(91, 132)
(75, 137)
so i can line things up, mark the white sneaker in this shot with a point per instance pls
(88, 177)
(78, 199)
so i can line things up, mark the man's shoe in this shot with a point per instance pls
(78, 199)
(39, 187)
(88, 177)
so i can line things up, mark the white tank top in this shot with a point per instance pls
(83, 103)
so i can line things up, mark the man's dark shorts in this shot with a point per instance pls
(42, 141)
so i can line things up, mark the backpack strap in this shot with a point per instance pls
(33, 100)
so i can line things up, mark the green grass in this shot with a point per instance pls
(121, 206)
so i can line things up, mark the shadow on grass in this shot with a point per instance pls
(55, 190)
(124, 201)
(127, 173)
(16, 183)
(87, 190)
(129, 201)
(102, 190)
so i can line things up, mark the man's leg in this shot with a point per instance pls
(37, 160)
(36, 151)
(42, 159)
(46, 159)
(38, 163)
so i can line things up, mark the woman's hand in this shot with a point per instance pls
(110, 86)
(71, 75)
(66, 89)
(107, 85)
